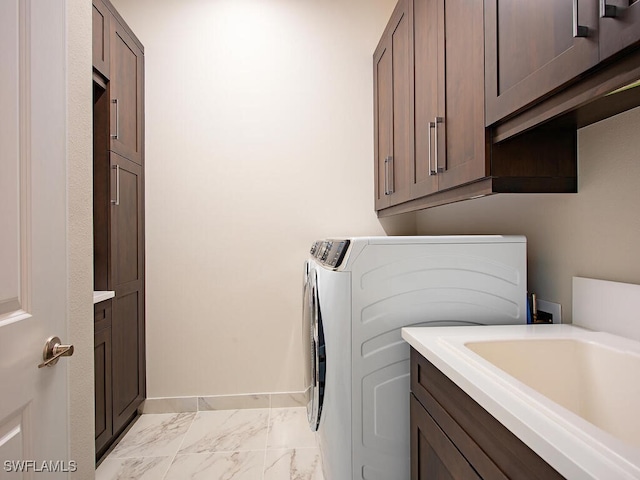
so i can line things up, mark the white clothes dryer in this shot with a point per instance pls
(358, 294)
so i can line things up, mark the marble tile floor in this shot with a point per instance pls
(257, 444)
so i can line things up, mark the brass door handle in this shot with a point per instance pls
(53, 350)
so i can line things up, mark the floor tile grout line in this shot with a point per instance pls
(180, 446)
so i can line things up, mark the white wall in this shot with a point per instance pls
(593, 233)
(259, 140)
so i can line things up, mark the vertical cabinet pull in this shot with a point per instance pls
(608, 11)
(438, 120)
(388, 175)
(578, 30)
(391, 176)
(116, 202)
(432, 171)
(117, 135)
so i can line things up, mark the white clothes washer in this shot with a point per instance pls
(358, 294)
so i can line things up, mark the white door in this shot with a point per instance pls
(33, 275)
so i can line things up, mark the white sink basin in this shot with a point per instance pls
(596, 382)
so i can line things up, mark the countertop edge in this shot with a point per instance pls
(102, 295)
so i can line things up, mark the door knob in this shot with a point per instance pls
(53, 350)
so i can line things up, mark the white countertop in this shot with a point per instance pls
(574, 447)
(101, 296)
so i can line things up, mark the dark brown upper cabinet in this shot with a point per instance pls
(451, 156)
(534, 48)
(126, 93)
(101, 30)
(393, 108)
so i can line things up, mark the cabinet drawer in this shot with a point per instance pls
(491, 448)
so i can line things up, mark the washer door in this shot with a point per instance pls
(313, 343)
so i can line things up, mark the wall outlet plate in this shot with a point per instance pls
(553, 309)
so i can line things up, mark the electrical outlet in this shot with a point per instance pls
(553, 309)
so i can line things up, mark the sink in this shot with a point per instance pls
(594, 381)
(570, 394)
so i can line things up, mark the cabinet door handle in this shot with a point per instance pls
(438, 120)
(388, 175)
(578, 30)
(116, 202)
(117, 135)
(432, 171)
(608, 11)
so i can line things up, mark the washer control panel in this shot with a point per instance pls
(330, 253)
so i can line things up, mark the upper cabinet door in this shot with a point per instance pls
(393, 109)
(101, 31)
(463, 137)
(429, 88)
(533, 48)
(126, 93)
(382, 105)
(619, 25)
(450, 140)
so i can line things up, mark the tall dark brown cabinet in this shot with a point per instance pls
(118, 223)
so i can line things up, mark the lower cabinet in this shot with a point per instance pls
(128, 360)
(433, 454)
(119, 366)
(103, 375)
(452, 437)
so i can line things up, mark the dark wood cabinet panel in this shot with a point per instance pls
(533, 49)
(127, 280)
(127, 222)
(382, 107)
(128, 355)
(619, 26)
(428, 93)
(101, 30)
(490, 448)
(126, 90)
(433, 455)
(452, 146)
(465, 154)
(103, 376)
(393, 109)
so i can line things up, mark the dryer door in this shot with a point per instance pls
(313, 342)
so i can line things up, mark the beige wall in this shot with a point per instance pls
(80, 236)
(594, 233)
(259, 140)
